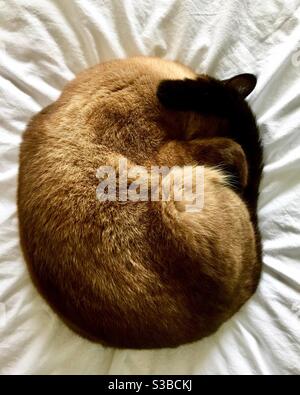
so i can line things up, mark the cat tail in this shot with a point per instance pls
(192, 202)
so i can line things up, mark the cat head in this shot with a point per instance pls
(205, 94)
(209, 103)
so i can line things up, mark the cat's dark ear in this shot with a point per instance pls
(242, 83)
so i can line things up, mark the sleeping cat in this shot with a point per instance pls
(142, 274)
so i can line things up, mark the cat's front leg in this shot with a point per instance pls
(223, 153)
(219, 152)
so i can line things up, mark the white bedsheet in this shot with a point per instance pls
(43, 44)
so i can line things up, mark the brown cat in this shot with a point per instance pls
(142, 274)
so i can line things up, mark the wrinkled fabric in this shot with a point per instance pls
(42, 46)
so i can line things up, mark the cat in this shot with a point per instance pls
(144, 274)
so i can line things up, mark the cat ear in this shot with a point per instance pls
(242, 83)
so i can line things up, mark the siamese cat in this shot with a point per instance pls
(142, 274)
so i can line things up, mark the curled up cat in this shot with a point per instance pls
(143, 273)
